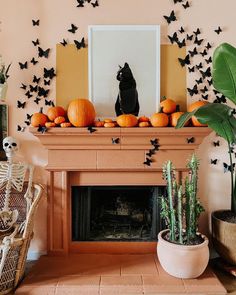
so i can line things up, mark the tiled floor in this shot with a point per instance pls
(110, 274)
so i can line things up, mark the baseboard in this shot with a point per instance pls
(34, 255)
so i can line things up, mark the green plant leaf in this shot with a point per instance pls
(183, 119)
(224, 70)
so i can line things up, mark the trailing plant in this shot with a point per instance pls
(220, 117)
(3, 71)
(180, 207)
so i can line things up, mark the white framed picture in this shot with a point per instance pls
(111, 46)
(3, 128)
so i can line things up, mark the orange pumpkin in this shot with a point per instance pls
(99, 123)
(54, 112)
(159, 120)
(168, 106)
(50, 124)
(109, 125)
(108, 120)
(193, 107)
(65, 124)
(143, 119)
(144, 124)
(175, 117)
(127, 120)
(81, 112)
(39, 119)
(59, 120)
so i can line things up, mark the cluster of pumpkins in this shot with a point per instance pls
(81, 113)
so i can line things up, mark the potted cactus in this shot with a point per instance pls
(182, 251)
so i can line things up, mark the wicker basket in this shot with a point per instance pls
(13, 264)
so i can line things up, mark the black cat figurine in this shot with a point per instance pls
(127, 99)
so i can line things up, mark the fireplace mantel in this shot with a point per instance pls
(77, 157)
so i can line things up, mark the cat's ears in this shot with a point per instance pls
(126, 65)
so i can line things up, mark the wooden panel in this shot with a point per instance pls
(72, 74)
(120, 159)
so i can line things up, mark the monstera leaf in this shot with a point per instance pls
(224, 70)
(218, 117)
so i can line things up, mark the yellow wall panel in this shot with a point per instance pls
(72, 74)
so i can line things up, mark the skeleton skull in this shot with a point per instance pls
(10, 146)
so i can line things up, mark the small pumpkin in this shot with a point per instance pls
(143, 119)
(109, 125)
(174, 117)
(108, 120)
(54, 112)
(99, 123)
(81, 112)
(159, 120)
(144, 124)
(193, 107)
(65, 124)
(168, 105)
(127, 120)
(50, 124)
(39, 119)
(59, 120)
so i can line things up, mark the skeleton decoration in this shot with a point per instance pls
(12, 176)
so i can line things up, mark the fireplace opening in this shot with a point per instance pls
(116, 213)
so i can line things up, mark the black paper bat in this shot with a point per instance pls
(186, 5)
(36, 80)
(64, 42)
(199, 81)
(28, 116)
(47, 82)
(189, 37)
(49, 73)
(156, 147)
(170, 18)
(36, 42)
(190, 140)
(91, 129)
(20, 128)
(154, 141)
(34, 61)
(37, 100)
(181, 43)
(27, 123)
(33, 88)
(228, 168)
(218, 30)
(216, 143)
(80, 3)
(208, 46)
(115, 140)
(193, 91)
(203, 53)
(209, 60)
(150, 153)
(23, 65)
(43, 92)
(21, 105)
(23, 86)
(42, 129)
(181, 30)
(210, 82)
(197, 32)
(185, 61)
(28, 94)
(148, 162)
(207, 73)
(194, 52)
(35, 22)
(191, 70)
(216, 91)
(220, 99)
(205, 96)
(80, 44)
(198, 41)
(173, 38)
(43, 53)
(49, 103)
(95, 4)
(199, 66)
(176, 1)
(214, 162)
(73, 29)
(205, 89)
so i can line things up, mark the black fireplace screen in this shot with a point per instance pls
(121, 213)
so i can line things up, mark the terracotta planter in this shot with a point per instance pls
(224, 237)
(3, 91)
(181, 261)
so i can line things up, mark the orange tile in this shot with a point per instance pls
(75, 291)
(120, 281)
(25, 290)
(82, 281)
(120, 291)
(40, 281)
(138, 265)
(161, 281)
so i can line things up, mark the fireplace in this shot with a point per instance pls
(116, 213)
(97, 163)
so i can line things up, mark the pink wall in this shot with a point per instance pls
(55, 18)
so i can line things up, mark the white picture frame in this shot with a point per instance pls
(112, 45)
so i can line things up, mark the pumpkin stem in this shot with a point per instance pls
(163, 97)
(177, 108)
(161, 110)
(41, 110)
